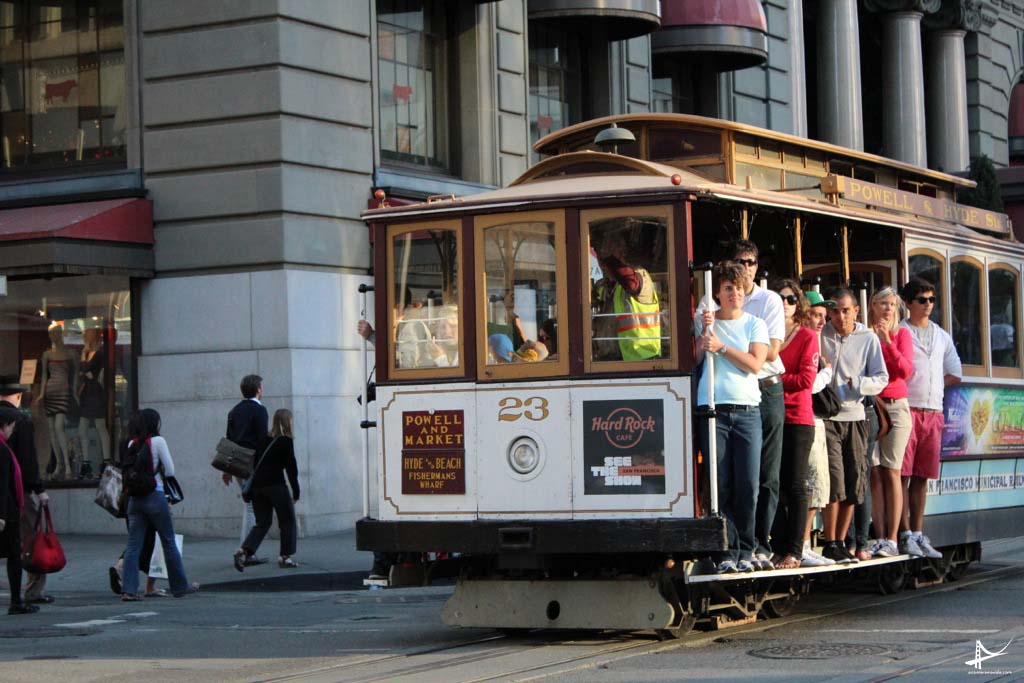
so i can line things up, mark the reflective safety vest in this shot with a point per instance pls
(638, 324)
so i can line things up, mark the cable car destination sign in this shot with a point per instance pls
(433, 452)
(882, 197)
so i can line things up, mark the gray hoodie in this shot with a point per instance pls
(856, 357)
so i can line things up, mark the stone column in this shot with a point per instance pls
(797, 71)
(948, 144)
(840, 119)
(903, 120)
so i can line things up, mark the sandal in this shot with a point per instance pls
(286, 562)
(130, 597)
(157, 593)
(192, 588)
(788, 562)
(115, 580)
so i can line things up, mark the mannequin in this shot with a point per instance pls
(93, 397)
(59, 371)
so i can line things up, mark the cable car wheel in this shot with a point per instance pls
(776, 606)
(891, 578)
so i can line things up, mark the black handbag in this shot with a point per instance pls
(172, 489)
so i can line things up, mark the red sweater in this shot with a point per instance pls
(801, 360)
(899, 362)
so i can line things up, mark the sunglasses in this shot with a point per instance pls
(790, 299)
(747, 261)
(925, 299)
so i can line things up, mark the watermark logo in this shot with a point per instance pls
(982, 654)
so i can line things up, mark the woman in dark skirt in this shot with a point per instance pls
(12, 498)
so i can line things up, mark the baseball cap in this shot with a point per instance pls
(815, 299)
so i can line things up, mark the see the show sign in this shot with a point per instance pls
(882, 197)
(433, 452)
(623, 447)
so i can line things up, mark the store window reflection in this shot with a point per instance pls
(70, 339)
(62, 83)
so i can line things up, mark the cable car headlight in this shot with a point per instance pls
(524, 455)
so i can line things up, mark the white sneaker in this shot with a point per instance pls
(811, 559)
(908, 545)
(745, 567)
(872, 545)
(726, 567)
(885, 548)
(826, 561)
(926, 547)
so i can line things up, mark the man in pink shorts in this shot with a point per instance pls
(936, 366)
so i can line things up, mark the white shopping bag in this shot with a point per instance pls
(158, 565)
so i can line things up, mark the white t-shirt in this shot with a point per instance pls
(732, 384)
(766, 305)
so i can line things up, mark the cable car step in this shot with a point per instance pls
(626, 604)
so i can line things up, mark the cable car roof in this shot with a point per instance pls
(552, 142)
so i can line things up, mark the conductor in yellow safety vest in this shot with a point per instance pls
(636, 306)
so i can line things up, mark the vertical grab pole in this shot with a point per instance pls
(363, 289)
(712, 454)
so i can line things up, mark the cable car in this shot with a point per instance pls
(535, 434)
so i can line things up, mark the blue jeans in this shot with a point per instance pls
(154, 510)
(738, 439)
(773, 416)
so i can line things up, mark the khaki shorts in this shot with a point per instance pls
(817, 468)
(889, 451)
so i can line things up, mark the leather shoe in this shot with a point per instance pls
(41, 600)
(22, 608)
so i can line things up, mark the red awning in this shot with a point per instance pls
(110, 220)
(112, 236)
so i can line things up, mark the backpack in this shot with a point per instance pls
(138, 478)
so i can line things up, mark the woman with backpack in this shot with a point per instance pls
(146, 463)
(269, 493)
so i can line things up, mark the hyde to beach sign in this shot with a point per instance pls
(433, 452)
(623, 447)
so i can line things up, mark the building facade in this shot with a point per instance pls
(182, 181)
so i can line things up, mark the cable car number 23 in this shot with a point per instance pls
(534, 408)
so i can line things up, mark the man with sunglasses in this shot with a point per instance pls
(936, 366)
(766, 305)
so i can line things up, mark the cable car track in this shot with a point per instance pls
(448, 662)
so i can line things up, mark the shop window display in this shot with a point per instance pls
(70, 338)
(62, 84)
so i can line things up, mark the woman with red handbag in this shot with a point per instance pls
(12, 498)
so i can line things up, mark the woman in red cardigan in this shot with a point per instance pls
(884, 315)
(799, 353)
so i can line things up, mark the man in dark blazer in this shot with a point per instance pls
(23, 444)
(248, 422)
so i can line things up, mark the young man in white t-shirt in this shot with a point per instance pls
(767, 306)
(740, 344)
(936, 366)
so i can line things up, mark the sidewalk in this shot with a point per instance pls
(325, 563)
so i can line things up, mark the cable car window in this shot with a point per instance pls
(965, 281)
(761, 177)
(931, 270)
(665, 144)
(629, 281)
(521, 266)
(1002, 297)
(424, 298)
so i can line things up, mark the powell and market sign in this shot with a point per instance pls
(882, 197)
